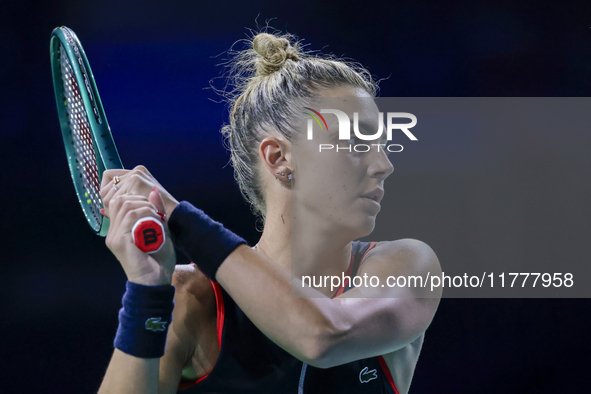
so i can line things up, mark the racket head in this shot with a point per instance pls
(89, 144)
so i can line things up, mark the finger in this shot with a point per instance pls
(166, 250)
(107, 194)
(142, 169)
(156, 199)
(136, 181)
(125, 185)
(136, 213)
(108, 176)
(121, 204)
(108, 188)
(139, 183)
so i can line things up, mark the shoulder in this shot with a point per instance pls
(406, 244)
(194, 296)
(408, 254)
(404, 267)
(188, 279)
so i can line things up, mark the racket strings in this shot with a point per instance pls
(81, 138)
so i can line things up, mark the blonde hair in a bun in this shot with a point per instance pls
(274, 51)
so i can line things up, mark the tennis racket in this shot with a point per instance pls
(90, 148)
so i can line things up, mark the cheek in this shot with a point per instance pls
(329, 173)
(344, 176)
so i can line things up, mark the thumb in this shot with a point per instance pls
(155, 198)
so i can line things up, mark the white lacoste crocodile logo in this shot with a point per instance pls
(365, 375)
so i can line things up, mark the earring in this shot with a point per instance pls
(283, 174)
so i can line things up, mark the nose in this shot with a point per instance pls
(380, 166)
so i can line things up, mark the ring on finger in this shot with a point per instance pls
(116, 181)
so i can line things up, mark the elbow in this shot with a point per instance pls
(321, 363)
(315, 357)
(320, 350)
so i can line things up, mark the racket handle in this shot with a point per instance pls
(148, 235)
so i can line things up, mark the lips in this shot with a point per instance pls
(376, 195)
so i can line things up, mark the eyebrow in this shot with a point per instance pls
(363, 125)
(369, 126)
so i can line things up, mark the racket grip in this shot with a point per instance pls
(148, 235)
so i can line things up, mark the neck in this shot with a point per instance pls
(304, 243)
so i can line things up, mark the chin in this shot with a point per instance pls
(364, 227)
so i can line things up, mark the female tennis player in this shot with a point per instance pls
(242, 320)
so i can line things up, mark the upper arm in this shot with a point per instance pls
(392, 261)
(192, 299)
(404, 266)
(371, 321)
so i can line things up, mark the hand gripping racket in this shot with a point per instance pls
(87, 137)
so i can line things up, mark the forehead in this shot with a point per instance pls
(350, 99)
(345, 91)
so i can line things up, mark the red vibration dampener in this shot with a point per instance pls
(148, 235)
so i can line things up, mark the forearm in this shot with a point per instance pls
(321, 331)
(302, 325)
(128, 374)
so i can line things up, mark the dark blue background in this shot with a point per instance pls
(153, 63)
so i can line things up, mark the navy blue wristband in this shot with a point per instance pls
(206, 242)
(144, 320)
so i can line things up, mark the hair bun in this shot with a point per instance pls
(274, 51)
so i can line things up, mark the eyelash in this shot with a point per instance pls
(353, 141)
(383, 144)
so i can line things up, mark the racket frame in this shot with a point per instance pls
(106, 154)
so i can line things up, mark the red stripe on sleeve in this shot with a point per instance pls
(387, 373)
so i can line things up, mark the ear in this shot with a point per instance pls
(276, 155)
